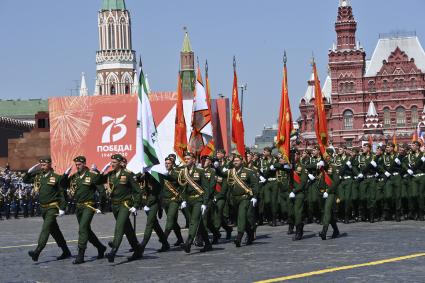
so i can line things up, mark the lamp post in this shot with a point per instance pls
(243, 89)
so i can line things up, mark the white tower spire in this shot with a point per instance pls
(83, 88)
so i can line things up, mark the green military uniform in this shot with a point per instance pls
(313, 200)
(270, 189)
(124, 193)
(345, 188)
(415, 169)
(393, 186)
(283, 178)
(170, 202)
(52, 201)
(329, 184)
(208, 217)
(367, 187)
(195, 194)
(82, 187)
(242, 184)
(299, 181)
(151, 191)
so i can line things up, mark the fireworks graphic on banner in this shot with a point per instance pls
(70, 120)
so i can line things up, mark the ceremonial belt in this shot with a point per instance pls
(419, 175)
(346, 177)
(271, 179)
(51, 205)
(88, 204)
(123, 202)
(396, 174)
(171, 188)
(370, 176)
(240, 182)
(192, 182)
(380, 179)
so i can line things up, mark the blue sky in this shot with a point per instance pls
(47, 44)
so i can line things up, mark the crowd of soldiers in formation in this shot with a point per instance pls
(231, 192)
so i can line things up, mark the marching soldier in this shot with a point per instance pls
(392, 170)
(82, 188)
(125, 197)
(194, 188)
(48, 185)
(171, 199)
(151, 191)
(243, 186)
(414, 167)
(368, 168)
(270, 188)
(283, 170)
(314, 174)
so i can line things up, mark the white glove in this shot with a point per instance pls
(61, 213)
(320, 164)
(360, 176)
(348, 163)
(133, 210)
(98, 211)
(410, 172)
(106, 168)
(93, 167)
(272, 167)
(311, 177)
(287, 166)
(183, 205)
(396, 160)
(254, 201)
(376, 175)
(373, 163)
(262, 179)
(34, 168)
(216, 164)
(292, 195)
(325, 195)
(68, 170)
(261, 170)
(146, 208)
(203, 209)
(388, 174)
(423, 158)
(225, 170)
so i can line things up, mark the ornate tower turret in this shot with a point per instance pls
(116, 59)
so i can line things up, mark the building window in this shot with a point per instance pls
(348, 119)
(127, 89)
(414, 115)
(113, 92)
(398, 83)
(413, 83)
(372, 86)
(385, 85)
(100, 90)
(313, 122)
(387, 117)
(401, 117)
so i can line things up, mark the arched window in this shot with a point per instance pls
(113, 92)
(100, 90)
(413, 83)
(127, 89)
(414, 115)
(111, 34)
(387, 117)
(348, 119)
(385, 85)
(313, 122)
(372, 86)
(401, 117)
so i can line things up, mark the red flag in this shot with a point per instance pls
(180, 138)
(210, 147)
(297, 178)
(321, 126)
(237, 122)
(395, 141)
(370, 140)
(285, 118)
(415, 136)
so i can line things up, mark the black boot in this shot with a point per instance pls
(297, 233)
(335, 233)
(111, 255)
(397, 216)
(198, 241)
(290, 229)
(186, 246)
(207, 246)
(165, 247)
(238, 239)
(138, 251)
(101, 249)
(216, 237)
(66, 253)
(250, 237)
(34, 254)
(80, 257)
(324, 232)
(229, 231)
(110, 244)
(372, 215)
(179, 241)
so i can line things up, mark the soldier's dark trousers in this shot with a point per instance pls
(196, 225)
(417, 195)
(219, 220)
(246, 215)
(171, 209)
(152, 224)
(298, 208)
(313, 200)
(283, 200)
(50, 227)
(271, 198)
(85, 233)
(123, 226)
(345, 196)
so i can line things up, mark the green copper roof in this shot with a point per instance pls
(113, 5)
(18, 108)
(186, 44)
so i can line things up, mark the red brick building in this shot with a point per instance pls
(374, 98)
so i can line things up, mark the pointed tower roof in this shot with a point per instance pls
(113, 5)
(83, 88)
(371, 112)
(186, 44)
